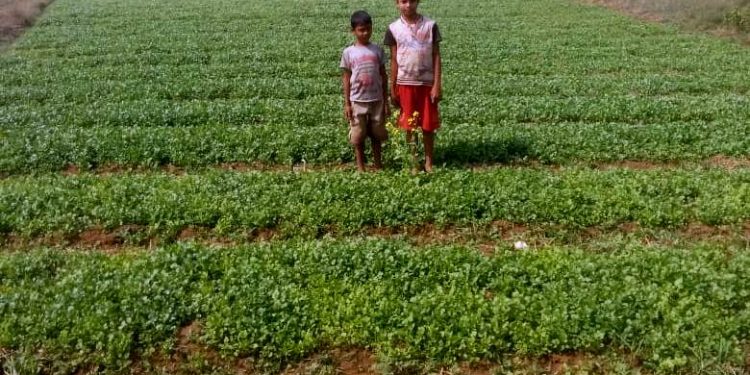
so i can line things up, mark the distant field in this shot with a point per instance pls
(728, 17)
(139, 84)
(177, 197)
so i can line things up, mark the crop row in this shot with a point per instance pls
(183, 82)
(310, 203)
(49, 65)
(513, 56)
(39, 149)
(674, 308)
(302, 110)
(523, 27)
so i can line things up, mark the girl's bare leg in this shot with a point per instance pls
(429, 144)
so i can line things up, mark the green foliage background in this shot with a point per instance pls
(281, 301)
(135, 83)
(193, 83)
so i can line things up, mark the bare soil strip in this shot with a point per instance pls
(189, 356)
(487, 239)
(631, 9)
(694, 15)
(189, 352)
(719, 162)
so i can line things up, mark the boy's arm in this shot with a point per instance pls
(394, 74)
(346, 82)
(437, 86)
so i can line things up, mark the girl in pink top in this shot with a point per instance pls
(416, 77)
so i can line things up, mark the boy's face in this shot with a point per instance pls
(363, 33)
(408, 8)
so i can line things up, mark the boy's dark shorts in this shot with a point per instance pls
(367, 121)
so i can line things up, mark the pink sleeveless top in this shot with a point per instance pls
(414, 43)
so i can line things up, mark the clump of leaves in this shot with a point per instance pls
(405, 144)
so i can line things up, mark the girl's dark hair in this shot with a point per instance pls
(361, 18)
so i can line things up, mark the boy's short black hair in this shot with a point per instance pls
(361, 18)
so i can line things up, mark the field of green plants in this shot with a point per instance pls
(202, 144)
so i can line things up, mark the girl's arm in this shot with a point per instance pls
(394, 75)
(384, 79)
(437, 86)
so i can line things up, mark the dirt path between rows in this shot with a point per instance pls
(693, 15)
(487, 239)
(728, 163)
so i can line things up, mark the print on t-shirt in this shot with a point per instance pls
(364, 62)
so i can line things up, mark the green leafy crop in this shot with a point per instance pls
(281, 301)
(197, 84)
(306, 203)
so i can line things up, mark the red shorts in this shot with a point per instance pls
(417, 99)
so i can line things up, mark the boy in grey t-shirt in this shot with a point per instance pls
(365, 92)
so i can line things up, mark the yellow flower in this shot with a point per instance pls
(413, 120)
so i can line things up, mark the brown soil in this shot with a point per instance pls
(17, 15)
(431, 233)
(728, 163)
(481, 368)
(263, 234)
(343, 361)
(486, 239)
(97, 237)
(187, 354)
(71, 170)
(355, 362)
(691, 15)
(695, 231)
(719, 161)
(509, 230)
(192, 232)
(563, 363)
(578, 363)
(629, 9)
(487, 249)
(489, 295)
(116, 169)
(629, 227)
(637, 165)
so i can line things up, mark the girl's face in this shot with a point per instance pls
(408, 8)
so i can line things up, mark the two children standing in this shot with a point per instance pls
(415, 84)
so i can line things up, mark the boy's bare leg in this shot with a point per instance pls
(377, 147)
(429, 144)
(359, 156)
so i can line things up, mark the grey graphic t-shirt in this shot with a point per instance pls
(364, 62)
